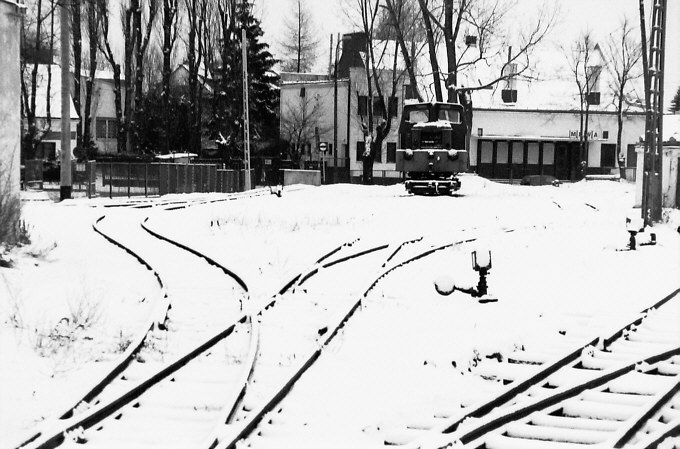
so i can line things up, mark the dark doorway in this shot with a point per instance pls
(566, 160)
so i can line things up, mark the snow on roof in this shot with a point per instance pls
(55, 92)
(175, 155)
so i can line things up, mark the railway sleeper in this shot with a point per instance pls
(580, 408)
(499, 441)
(559, 434)
(608, 397)
(639, 383)
(571, 422)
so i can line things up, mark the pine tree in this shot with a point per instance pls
(675, 102)
(263, 97)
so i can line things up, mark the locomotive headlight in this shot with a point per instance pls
(453, 155)
(408, 154)
(430, 154)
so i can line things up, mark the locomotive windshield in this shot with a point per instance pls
(449, 115)
(418, 116)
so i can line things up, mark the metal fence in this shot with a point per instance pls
(115, 179)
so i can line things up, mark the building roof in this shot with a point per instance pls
(41, 94)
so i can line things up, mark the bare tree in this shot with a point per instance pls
(585, 68)
(486, 41)
(300, 50)
(623, 53)
(299, 124)
(93, 12)
(169, 24)
(196, 13)
(400, 25)
(111, 58)
(77, 48)
(379, 80)
(33, 54)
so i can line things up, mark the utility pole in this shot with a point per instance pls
(246, 119)
(65, 184)
(652, 177)
(335, 107)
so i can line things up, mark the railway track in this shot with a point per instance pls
(255, 426)
(178, 404)
(619, 391)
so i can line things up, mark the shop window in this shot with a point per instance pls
(363, 105)
(548, 153)
(391, 152)
(502, 152)
(532, 153)
(517, 152)
(487, 152)
(608, 155)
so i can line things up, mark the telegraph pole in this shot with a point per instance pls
(652, 177)
(246, 119)
(65, 184)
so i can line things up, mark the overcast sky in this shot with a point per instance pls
(602, 17)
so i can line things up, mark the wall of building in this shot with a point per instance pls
(104, 110)
(508, 125)
(10, 109)
(321, 93)
(359, 86)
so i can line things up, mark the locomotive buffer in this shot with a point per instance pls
(432, 147)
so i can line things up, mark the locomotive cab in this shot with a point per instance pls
(432, 147)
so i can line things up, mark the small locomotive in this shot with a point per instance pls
(432, 147)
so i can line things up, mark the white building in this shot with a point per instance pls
(670, 164)
(48, 120)
(104, 128)
(525, 126)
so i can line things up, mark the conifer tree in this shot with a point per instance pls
(228, 100)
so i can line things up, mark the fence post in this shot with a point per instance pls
(146, 177)
(128, 181)
(110, 180)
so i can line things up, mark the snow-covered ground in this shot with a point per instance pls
(407, 356)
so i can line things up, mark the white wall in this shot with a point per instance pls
(528, 124)
(323, 93)
(10, 88)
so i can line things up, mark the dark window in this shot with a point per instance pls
(360, 150)
(631, 159)
(391, 152)
(509, 96)
(112, 129)
(605, 135)
(409, 92)
(593, 98)
(608, 155)
(363, 105)
(303, 92)
(330, 149)
(100, 128)
(377, 107)
(393, 106)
